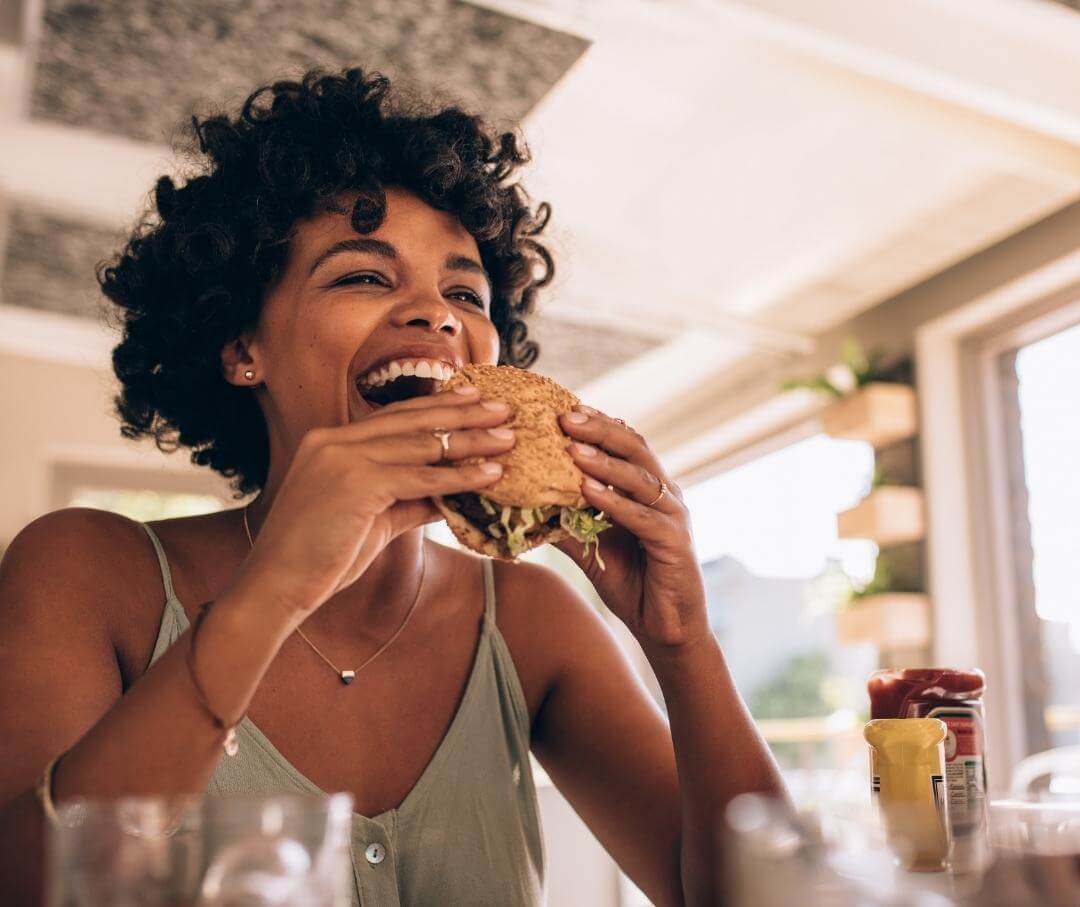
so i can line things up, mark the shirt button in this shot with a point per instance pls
(375, 854)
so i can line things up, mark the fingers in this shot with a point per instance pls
(647, 523)
(593, 427)
(586, 424)
(423, 447)
(406, 515)
(408, 483)
(459, 396)
(445, 414)
(635, 482)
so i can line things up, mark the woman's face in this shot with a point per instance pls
(350, 311)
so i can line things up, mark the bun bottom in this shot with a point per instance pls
(475, 539)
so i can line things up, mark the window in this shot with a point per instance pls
(1048, 395)
(143, 505)
(776, 573)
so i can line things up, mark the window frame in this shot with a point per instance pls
(969, 419)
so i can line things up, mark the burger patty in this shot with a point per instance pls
(469, 506)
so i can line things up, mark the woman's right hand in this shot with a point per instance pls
(351, 489)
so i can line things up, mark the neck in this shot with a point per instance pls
(375, 605)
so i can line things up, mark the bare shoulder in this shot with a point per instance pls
(546, 622)
(72, 561)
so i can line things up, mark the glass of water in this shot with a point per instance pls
(235, 851)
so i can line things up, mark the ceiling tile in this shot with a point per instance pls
(138, 68)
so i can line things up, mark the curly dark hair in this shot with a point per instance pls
(192, 278)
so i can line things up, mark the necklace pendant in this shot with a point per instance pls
(348, 677)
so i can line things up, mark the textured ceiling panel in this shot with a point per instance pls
(11, 21)
(49, 264)
(574, 354)
(138, 68)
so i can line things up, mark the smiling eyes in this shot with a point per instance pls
(368, 278)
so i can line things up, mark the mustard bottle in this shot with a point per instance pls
(907, 757)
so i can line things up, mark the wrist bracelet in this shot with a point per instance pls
(43, 791)
(231, 745)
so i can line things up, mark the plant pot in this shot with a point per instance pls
(891, 620)
(879, 414)
(889, 515)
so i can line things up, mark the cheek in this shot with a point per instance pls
(335, 333)
(483, 340)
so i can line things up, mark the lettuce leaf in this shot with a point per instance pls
(585, 525)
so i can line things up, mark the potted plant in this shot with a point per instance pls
(867, 407)
(890, 514)
(885, 611)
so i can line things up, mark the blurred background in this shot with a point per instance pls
(823, 254)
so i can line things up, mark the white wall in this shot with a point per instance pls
(57, 413)
(579, 871)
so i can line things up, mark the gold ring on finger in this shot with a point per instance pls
(444, 439)
(662, 492)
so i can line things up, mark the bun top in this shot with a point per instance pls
(537, 470)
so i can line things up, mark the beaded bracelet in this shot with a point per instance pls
(231, 744)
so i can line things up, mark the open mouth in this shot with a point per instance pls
(403, 379)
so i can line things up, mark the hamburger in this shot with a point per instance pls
(537, 499)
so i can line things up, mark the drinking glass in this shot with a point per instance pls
(235, 851)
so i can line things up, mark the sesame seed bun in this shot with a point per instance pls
(537, 470)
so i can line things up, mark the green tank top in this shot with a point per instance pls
(468, 833)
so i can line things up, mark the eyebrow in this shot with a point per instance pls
(356, 244)
(386, 250)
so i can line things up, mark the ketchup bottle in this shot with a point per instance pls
(954, 697)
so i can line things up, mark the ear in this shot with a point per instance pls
(240, 362)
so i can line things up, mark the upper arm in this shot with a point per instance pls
(603, 740)
(58, 666)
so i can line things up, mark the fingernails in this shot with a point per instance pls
(592, 484)
(466, 390)
(501, 433)
(582, 408)
(491, 469)
(586, 450)
(577, 418)
(496, 406)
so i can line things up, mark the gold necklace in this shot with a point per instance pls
(348, 675)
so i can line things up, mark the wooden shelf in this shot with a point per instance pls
(892, 620)
(890, 515)
(880, 414)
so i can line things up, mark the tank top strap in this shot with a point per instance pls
(489, 591)
(163, 562)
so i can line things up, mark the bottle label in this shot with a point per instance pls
(964, 769)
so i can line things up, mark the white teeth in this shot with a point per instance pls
(421, 368)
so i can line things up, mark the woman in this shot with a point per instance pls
(330, 230)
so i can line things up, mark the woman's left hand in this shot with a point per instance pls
(652, 579)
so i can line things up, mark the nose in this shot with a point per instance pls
(430, 312)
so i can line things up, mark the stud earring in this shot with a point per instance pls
(249, 373)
